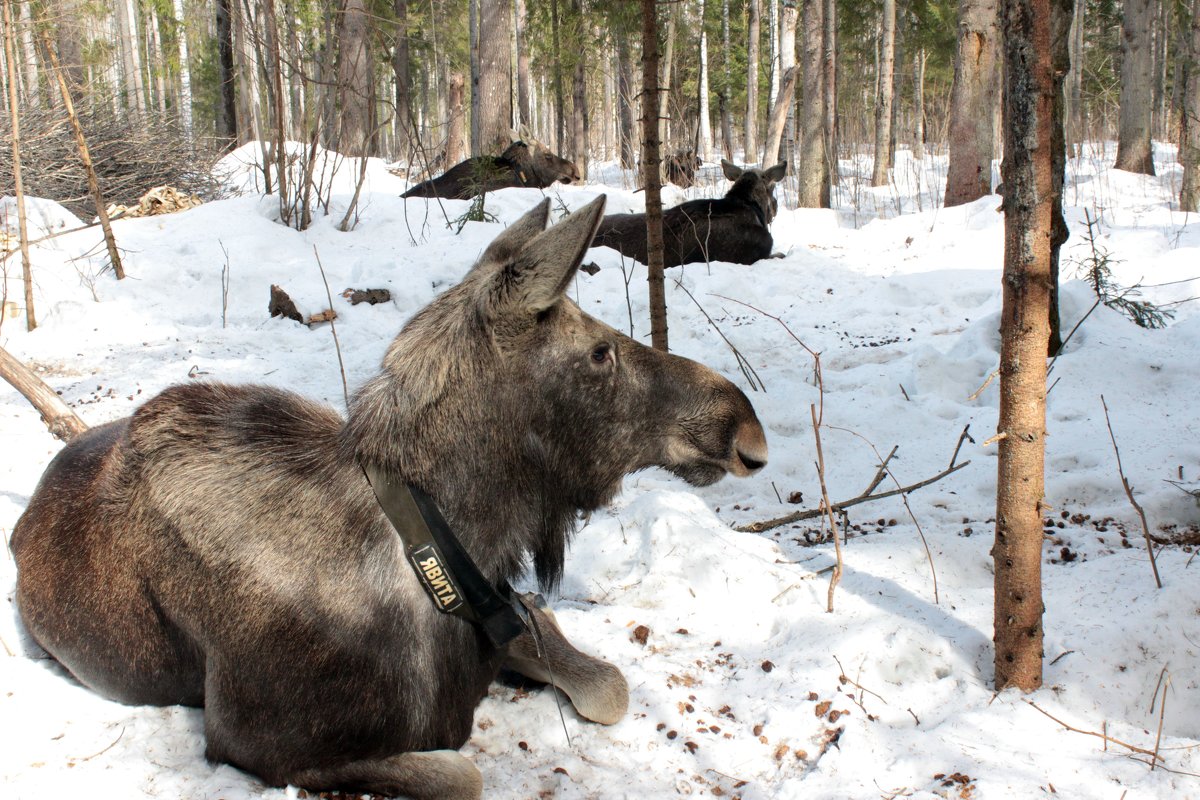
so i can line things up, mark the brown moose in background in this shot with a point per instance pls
(733, 228)
(681, 168)
(222, 547)
(526, 162)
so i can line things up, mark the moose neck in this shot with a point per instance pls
(490, 479)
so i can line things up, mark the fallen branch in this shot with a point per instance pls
(865, 497)
(62, 422)
(1132, 747)
(1129, 494)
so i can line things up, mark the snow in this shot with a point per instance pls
(745, 685)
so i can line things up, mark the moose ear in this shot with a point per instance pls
(504, 248)
(732, 171)
(539, 274)
(776, 173)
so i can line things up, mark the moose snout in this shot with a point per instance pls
(749, 449)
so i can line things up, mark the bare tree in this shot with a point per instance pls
(704, 131)
(69, 37)
(1029, 199)
(884, 89)
(651, 179)
(579, 113)
(753, 35)
(19, 188)
(1189, 192)
(969, 175)
(625, 102)
(226, 117)
(829, 110)
(135, 93)
(1134, 153)
(495, 75)
(400, 64)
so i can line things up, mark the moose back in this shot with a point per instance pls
(222, 547)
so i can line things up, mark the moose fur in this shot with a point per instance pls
(733, 228)
(525, 162)
(681, 168)
(222, 547)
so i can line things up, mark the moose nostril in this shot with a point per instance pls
(750, 463)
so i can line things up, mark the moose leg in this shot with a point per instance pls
(596, 688)
(432, 775)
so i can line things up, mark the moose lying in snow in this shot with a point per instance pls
(526, 162)
(734, 228)
(225, 546)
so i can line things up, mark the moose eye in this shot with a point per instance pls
(601, 354)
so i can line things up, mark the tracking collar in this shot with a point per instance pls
(451, 579)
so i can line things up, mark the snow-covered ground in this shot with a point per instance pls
(744, 684)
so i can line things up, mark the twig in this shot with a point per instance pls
(844, 678)
(1129, 494)
(836, 578)
(964, 436)
(756, 383)
(991, 377)
(105, 750)
(332, 327)
(797, 516)
(1103, 736)
(1162, 712)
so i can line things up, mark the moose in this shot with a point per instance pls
(681, 168)
(525, 162)
(225, 546)
(733, 228)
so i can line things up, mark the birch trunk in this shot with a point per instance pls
(704, 130)
(883, 107)
(29, 61)
(135, 91)
(918, 142)
(18, 186)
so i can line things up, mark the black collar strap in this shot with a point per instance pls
(452, 580)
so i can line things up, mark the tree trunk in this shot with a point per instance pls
(723, 104)
(579, 140)
(135, 93)
(524, 84)
(918, 142)
(1074, 96)
(58, 416)
(829, 102)
(651, 179)
(812, 169)
(355, 82)
(1134, 153)
(185, 74)
(753, 35)
(400, 60)
(226, 119)
(495, 105)
(1189, 193)
(70, 39)
(29, 61)
(1024, 331)
(969, 175)
(664, 87)
(778, 117)
(883, 108)
(456, 133)
(14, 105)
(788, 22)
(473, 44)
(560, 102)
(154, 57)
(704, 130)
(625, 102)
